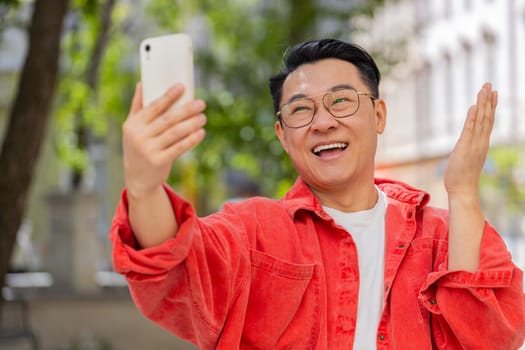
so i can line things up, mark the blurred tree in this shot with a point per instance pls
(97, 16)
(92, 67)
(238, 47)
(95, 82)
(28, 120)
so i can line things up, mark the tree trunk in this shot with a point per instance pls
(28, 120)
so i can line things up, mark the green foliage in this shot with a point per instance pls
(502, 177)
(80, 105)
(9, 15)
(75, 94)
(117, 79)
(10, 2)
(89, 8)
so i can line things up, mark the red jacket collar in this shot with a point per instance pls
(300, 197)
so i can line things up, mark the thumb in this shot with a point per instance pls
(136, 103)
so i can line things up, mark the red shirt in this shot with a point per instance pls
(280, 274)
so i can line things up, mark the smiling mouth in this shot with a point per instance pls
(329, 148)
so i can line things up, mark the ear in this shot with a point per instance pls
(380, 116)
(280, 135)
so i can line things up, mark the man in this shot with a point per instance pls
(343, 260)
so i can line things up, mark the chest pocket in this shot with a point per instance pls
(425, 255)
(283, 306)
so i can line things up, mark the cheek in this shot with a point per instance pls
(296, 145)
(291, 140)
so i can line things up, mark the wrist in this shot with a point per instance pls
(470, 202)
(142, 193)
(465, 197)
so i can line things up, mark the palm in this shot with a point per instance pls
(466, 160)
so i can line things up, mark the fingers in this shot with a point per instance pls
(494, 101)
(162, 104)
(159, 131)
(466, 160)
(155, 108)
(172, 127)
(179, 131)
(494, 104)
(470, 123)
(158, 117)
(190, 141)
(136, 103)
(485, 111)
(475, 137)
(176, 115)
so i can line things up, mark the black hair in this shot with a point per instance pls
(315, 50)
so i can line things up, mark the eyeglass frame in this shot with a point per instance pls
(315, 103)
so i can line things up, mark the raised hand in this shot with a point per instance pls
(466, 221)
(154, 136)
(468, 157)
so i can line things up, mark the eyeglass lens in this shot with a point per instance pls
(340, 103)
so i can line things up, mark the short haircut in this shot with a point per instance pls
(315, 50)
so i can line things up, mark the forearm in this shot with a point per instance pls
(465, 165)
(466, 224)
(151, 217)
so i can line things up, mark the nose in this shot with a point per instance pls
(323, 120)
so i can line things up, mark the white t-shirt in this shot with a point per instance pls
(367, 229)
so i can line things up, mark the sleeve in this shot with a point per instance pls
(188, 283)
(480, 310)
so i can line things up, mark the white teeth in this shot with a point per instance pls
(330, 146)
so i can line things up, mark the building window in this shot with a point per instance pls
(468, 64)
(448, 11)
(423, 14)
(490, 55)
(423, 104)
(449, 93)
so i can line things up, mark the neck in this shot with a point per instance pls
(352, 198)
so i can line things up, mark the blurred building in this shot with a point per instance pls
(435, 55)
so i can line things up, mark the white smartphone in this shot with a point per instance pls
(164, 61)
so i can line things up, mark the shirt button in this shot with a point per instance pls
(401, 246)
(433, 301)
(381, 337)
(410, 214)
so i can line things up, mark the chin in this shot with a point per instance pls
(328, 181)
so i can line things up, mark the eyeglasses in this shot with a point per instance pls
(340, 103)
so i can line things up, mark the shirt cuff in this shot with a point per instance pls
(495, 270)
(144, 263)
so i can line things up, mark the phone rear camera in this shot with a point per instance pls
(148, 48)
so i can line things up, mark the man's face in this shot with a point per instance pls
(349, 143)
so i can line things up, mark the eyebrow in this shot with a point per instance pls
(337, 87)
